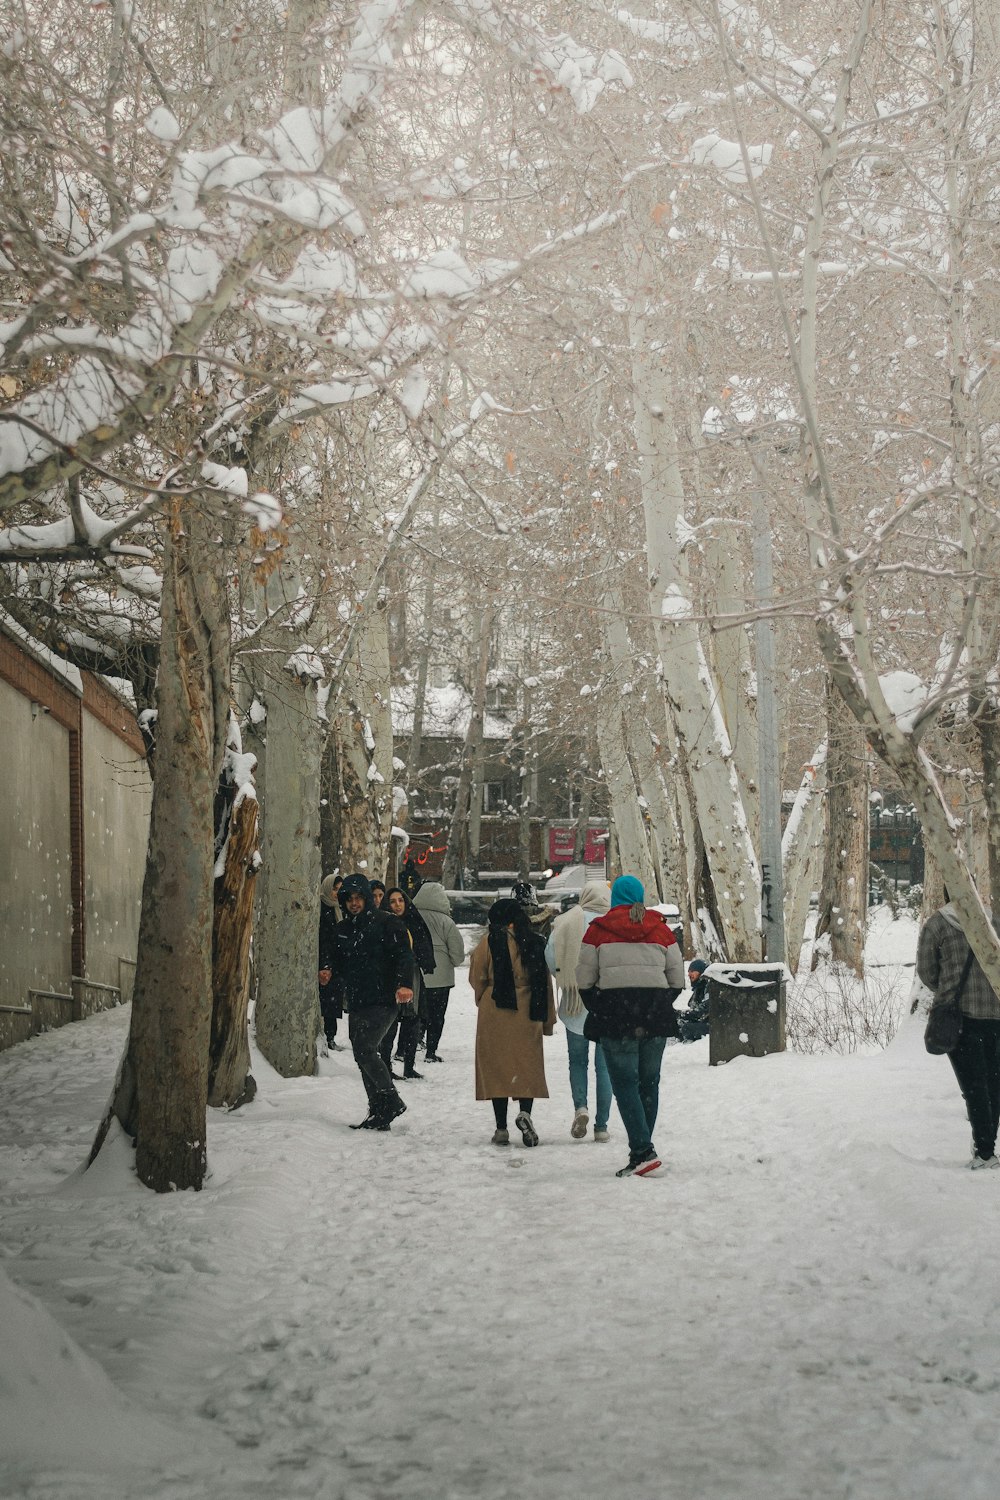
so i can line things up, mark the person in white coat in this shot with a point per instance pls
(431, 901)
(562, 953)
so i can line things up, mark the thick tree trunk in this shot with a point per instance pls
(646, 748)
(843, 902)
(664, 830)
(364, 727)
(230, 1082)
(691, 848)
(933, 897)
(329, 805)
(986, 719)
(730, 650)
(632, 852)
(619, 689)
(162, 1090)
(287, 1011)
(690, 691)
(897, 747)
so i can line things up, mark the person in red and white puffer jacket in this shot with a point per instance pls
(629, 974)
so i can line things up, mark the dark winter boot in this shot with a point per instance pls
(387, 1107)
(371, 1118)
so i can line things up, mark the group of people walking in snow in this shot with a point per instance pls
(619, 970)
(388, 958)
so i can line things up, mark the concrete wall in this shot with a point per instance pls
(74, 821)
(117, 794)
(36, 902)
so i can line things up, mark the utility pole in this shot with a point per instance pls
(772, 896)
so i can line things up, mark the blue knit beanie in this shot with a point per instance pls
(697, 966)
(626, 891)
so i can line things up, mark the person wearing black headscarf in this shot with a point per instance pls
(398, 904)
(513, 989)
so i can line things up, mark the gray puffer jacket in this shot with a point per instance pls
(629, 974)
(433, 905)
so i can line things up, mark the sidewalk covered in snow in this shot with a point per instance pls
(802, 1304)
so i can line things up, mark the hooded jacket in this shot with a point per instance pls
(433, 905)
(562, 951)
(629, 975)
(371, 956)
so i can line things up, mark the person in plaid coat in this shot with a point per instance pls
(942, 950)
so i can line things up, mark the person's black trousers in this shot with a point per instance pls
(976, 1061)
(409, 1032)
(331, 1015)
(435, 1004)
(366, 1029)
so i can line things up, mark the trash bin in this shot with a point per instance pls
(746, 1009)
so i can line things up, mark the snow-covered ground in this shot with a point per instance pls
(803, 1306)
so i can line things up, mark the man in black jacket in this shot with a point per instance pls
(371, 972)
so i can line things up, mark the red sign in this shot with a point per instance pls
(563, 839)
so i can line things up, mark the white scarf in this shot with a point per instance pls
(567, 940)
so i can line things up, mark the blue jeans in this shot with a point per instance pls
(634, 1067)
(579, 1068)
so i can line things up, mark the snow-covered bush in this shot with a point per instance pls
(832, 1010)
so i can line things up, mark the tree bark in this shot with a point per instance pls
(645, 749)
(859, 685)
(162, 1091)
(476, 789)
(329, 804)
(632, 852)
(988, 725)
(364, 728)
(843, 902)
(801, 853)
(230, 1082)
(730, 650)
(287, 1012)
(695, 712)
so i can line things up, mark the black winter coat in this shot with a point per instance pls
(693, 1022)
(327, 938)
(371, 956)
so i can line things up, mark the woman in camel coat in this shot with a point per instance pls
(513, 990)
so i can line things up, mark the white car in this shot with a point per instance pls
(563, 890)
